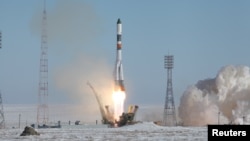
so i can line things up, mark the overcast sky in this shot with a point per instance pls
(203, 36)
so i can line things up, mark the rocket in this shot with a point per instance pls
(118, 72)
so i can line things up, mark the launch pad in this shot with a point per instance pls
(127, 118)
(108, 117)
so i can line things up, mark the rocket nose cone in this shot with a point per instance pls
(119, 21)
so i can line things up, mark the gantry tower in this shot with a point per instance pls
(2, 121)
(169, 117)
(43, 109)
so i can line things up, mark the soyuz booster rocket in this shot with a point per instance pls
(119, 81)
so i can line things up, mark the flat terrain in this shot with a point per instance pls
(146, 131)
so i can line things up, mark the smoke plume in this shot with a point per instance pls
(223, 99)
(73, 30)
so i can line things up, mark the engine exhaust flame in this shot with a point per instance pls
(118, 99)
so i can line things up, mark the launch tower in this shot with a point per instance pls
(42, 109)
(169, 117)
(2, 121)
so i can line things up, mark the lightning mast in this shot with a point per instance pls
(2, 121)
(169, 117)
(43, 109)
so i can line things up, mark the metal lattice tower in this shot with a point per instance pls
(2, 121)
(43, 109)
(169, 117)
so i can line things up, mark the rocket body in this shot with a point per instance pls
(119, 79)
(119, 89)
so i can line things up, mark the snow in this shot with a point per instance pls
(146, 131)
(142, 131)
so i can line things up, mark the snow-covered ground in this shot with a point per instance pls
(142, 131)
(146, 131)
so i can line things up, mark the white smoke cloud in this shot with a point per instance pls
(73, 79)
(223, 99)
